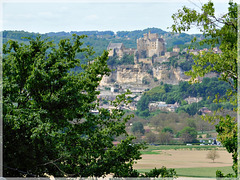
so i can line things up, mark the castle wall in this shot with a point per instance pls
(127, 74)
(161, 47)
(134, 74)
(153, 36)
(119, 53)
(110, 52)
(145, 60)
(151, 44)
(129, 51)
(131, 74)
(118, 49)
(106, 80)
(151, 52)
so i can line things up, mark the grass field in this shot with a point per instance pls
(152, 148)
(203, 171)
(198, 172)
(188, 161)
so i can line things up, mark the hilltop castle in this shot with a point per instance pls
(148, 48)
(150, 45)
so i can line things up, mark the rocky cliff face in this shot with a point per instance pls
(140, 74)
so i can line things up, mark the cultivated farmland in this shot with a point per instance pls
(187, 159)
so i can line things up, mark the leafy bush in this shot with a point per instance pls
(161, 172)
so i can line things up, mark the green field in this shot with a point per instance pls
(198, 172)
(202, 172)
(151, 148)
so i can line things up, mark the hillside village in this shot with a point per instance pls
(152, 56)
(147, 71)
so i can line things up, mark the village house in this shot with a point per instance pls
(163, 106)
(204, 110)
(191, 100)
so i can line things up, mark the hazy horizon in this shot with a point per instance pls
(44, 17)
(95, 30)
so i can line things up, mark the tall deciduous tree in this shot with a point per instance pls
(49, 126)
(222, 32)
(188, 134)
(137, 127)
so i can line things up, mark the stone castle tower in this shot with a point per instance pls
(150, 45)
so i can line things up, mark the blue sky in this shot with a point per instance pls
(84, 15)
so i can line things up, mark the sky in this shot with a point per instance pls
(86, 15)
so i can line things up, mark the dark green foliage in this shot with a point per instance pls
(142, 106)
(191, 109)
(183, 60)
(177, 93)
(219, 31)
(155, 79)
(80, 33)
(150, 71)
(17, 35)
(225, 127)
(188, 134)
(137, 127)
(168, 129)
(113, 61)
(125, 60)
(138, 33)
(144, 113)
(167, 87)
(143, 103)
(47, 111)
(221, 176)
(161, 173)
(186, 65)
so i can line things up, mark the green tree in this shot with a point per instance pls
(167, 129)
(191, 123)
(219, 31)
(113, 61)
(137, 127)
(165, 137)
(188, 134)
(191, 109)
(127, 59)
(151, 137)
(48, 122)
(143, 103)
